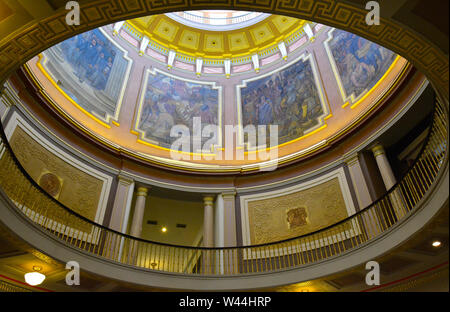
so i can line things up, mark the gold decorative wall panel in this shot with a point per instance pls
(295, 214)
(79, 192)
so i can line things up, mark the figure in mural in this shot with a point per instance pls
(169, 101)
(91, 56)
(288, 98)
(91, 70)
(360, 63)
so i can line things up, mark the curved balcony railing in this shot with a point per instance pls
(213, 22)
(9, 287)
(347, 235)
(199, 17)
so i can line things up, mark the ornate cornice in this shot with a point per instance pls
(38, 35)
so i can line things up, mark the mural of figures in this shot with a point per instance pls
(91, 57)
(359, 62)
(169, 101)
(288, 98)
(90, 69)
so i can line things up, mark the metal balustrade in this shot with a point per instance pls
(8, 287)
(198, 17)
(359, 229)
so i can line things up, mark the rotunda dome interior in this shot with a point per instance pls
(220, 149)
(269, 90)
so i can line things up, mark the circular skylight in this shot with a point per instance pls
(218, 20)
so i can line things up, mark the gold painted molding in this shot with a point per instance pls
(378, 150)
(142, 191)
(192, 43)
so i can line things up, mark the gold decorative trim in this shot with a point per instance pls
(378, 150)
(24, 43)
(142, 191)
(40, 34)
(200, 45)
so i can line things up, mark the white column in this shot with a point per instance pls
(139, 209)
(144, 43)
(171, 59)
(208, 221)
(369, 218)
(229, 235)
(229, 219)
(283, 50)
(219, 233)
(209, 266)
(255, 60)
(388, 179)
(219, 226)
(117, 27)
(121, 209)
(198, 66)
(225, 233)
(358, 181)
(309, 32)
(227, 64)
(384, 166)
(122, 204)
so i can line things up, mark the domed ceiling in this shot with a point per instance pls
(179, 90)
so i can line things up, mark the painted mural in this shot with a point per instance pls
(91, 57)
(90, 69)
(288, 98)
(169, 101)
(359, 63)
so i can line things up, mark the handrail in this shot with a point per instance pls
(233, 19)
(8, 287)
(221, 18)
(217, 23)
(345, 235)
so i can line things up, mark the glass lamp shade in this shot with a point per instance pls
(34, 278)
(436, 244)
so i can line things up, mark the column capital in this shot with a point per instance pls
(208, 199)
(142, 191)
(352, 159)
(229, 194)
(378, 150)
(124, 179)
